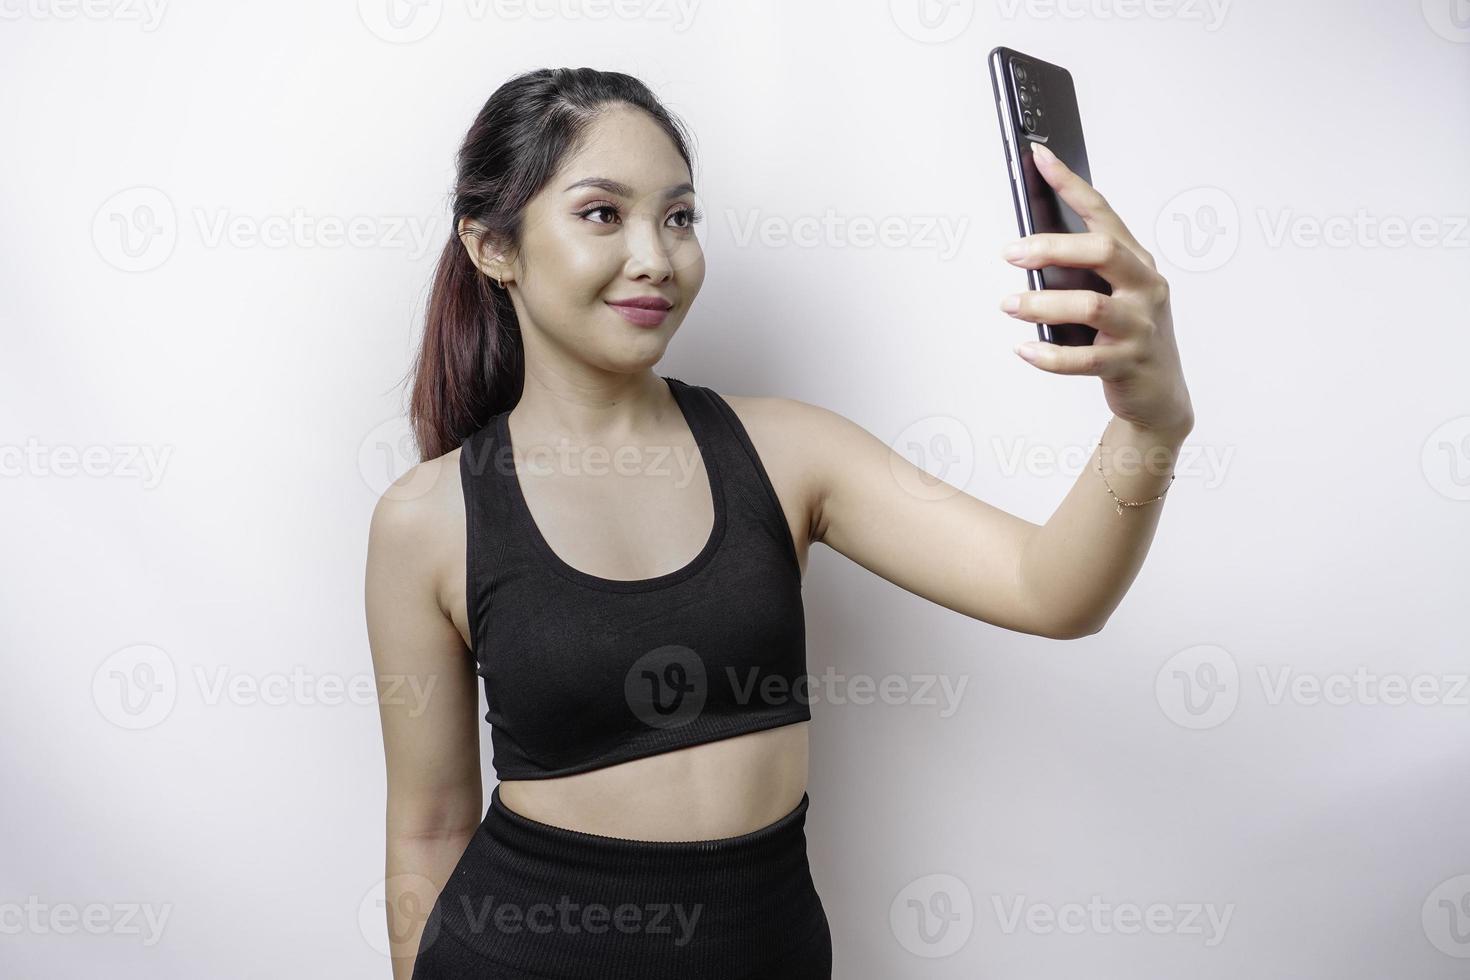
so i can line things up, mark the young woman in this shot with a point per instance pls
(634, 607)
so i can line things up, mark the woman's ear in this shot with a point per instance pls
(483, 252)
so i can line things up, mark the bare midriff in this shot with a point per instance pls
(717, 789)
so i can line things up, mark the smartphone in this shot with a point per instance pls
(1037, 103)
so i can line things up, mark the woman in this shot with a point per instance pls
(635, 608)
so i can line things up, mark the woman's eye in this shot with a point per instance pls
(599, 209)
(690, 217)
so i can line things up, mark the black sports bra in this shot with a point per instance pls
(583, 672)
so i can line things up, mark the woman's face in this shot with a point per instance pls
(586, 246)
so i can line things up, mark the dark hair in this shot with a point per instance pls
(471, 364)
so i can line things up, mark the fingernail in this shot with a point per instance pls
(1027, 351)
(1040, 150)
(1014, 250)
(1011, 304)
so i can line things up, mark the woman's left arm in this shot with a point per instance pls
(1062, 579)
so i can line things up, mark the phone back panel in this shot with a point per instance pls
(1025, 85)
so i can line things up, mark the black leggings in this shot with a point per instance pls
(532, 901)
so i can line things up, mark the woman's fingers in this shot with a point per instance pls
(1105, 361)
(1110, 258)
(1118, 319)
(1086, 200)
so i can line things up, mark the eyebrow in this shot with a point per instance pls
(623, 190)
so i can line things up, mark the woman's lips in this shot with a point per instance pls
(640, 316)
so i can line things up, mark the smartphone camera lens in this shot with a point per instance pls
(1028, 121)
(1025, 96)
(1020, 72)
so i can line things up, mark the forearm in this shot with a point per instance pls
(1077, 567)
(417, 869)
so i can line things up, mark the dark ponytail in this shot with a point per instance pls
(471, 364)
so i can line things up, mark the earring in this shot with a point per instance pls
(499, 283)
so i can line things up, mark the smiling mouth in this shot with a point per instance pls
(641, 316)
(644, 303)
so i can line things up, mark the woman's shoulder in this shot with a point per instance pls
(810, 449)
(792, 438)
(419, 517)
(784, 420)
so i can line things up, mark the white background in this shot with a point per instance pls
(1317, 528)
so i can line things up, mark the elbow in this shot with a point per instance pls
(1076, 630)
(447, 812)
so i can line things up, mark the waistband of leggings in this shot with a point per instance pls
(536, 834)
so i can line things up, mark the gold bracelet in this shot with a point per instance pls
(1120, 504)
